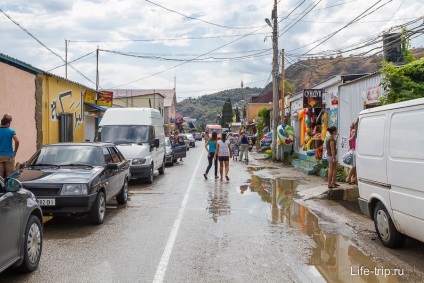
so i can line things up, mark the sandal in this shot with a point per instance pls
(336, 185)
(226, 177)
(331, 187)
(205, 175)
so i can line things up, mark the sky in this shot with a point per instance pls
(202, 46)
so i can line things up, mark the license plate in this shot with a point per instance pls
(46, 202)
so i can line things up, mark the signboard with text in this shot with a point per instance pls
(105, 98)
(90, 97)
(312, 98)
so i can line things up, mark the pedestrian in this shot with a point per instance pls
(331, 146)
(235, 146)
(7, 154)
(210, 146)
(351, 177)
(223, 153)
(244, 146)
(176, 137)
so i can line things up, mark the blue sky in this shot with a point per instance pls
(145, 44)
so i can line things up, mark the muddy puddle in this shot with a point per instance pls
(334, 257)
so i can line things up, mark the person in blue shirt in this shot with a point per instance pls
(7, 153)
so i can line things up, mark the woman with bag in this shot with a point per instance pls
(332, 157)
(210, 146)
(351, 177)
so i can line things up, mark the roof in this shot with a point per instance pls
(408, 103)
(96, 106)
(265, 98)
(169, 97)
(118, 93)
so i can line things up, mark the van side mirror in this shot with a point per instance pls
(156, 143)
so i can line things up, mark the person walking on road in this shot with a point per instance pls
(234, 140)
(332, 157)
(223, 154)
(7, 154)
(351, 177)
(244, 146)
(210, 146)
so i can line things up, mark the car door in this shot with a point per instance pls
(111, 175)
(120, 173)
(180, 150)
(10, 226)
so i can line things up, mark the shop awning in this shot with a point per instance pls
(94, 106)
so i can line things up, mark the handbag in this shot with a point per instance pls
(348, 157)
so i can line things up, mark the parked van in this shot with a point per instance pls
(139, 135)
(390, 161)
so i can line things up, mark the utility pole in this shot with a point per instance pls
(282, 86)
(274, 82)
(66, 59)
(97, 68)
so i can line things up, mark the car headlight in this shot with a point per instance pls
(168, 151)
(74, 189)
(136, 161)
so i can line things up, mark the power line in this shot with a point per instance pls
(197, 19)
(77, 59)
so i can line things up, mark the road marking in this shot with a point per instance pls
(163, 264)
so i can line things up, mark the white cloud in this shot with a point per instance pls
(114, 23)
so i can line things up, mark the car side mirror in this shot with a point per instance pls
(112, 166)
(13, 185)
(156, 143)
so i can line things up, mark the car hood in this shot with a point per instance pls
(132, 150)
(62, 175)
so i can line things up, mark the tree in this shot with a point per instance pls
(227, 114)
(237, 114)
(402, 83)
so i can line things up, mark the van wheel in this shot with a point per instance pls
(33, 244)
(98, 211)
(149, 178)
(162, 168)
(386, 230)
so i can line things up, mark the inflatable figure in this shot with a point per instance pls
(324, 125)
(285, 134)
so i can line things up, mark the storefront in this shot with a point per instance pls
(95, 106)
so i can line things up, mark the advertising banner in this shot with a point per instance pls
(90, 97)
(105, 98)
(312, 98)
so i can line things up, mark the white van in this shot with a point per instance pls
(139, 135)
(390, 161)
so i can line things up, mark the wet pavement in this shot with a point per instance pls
(267, 224)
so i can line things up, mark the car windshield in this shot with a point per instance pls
(190, 136)
(219, 131)
(124, 134)
(60, 155)
(167, 142)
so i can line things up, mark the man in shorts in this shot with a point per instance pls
(7, 154)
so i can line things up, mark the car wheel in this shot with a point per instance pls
(149, 178)
(122, 197)
(386, 230)
(33, 244)
(98, 211)
(162, 168)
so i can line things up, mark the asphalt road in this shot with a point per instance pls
(184, 228)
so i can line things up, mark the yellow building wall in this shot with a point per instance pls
(254, 108)
(62, 96)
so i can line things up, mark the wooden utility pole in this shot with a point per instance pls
(282, 86)
(66, 59)
(97, 68)
(275, 105)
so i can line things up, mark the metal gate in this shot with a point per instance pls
(65, 127)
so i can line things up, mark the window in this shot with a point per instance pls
(106, 154)
(115, 156)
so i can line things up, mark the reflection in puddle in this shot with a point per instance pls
(334, 258)
(218, 201)
(258, 168)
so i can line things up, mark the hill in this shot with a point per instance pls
(207, 107)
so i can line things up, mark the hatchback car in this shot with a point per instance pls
(186, 140)
(174, 151)
(77, 178)
(21, 222)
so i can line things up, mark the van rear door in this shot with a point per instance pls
(405, 164)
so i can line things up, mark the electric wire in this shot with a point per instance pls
(73, 61)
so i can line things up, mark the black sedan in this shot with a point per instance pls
(21, 227)
(77, 178)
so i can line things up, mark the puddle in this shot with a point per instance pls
(334, 258)
(218, 202)
(258, 168)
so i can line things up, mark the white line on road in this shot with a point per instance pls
(163, 264)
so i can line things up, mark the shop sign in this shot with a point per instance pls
(312, 98)
(334, 99)
(373, 94)
(105, 98)
(90, 97)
